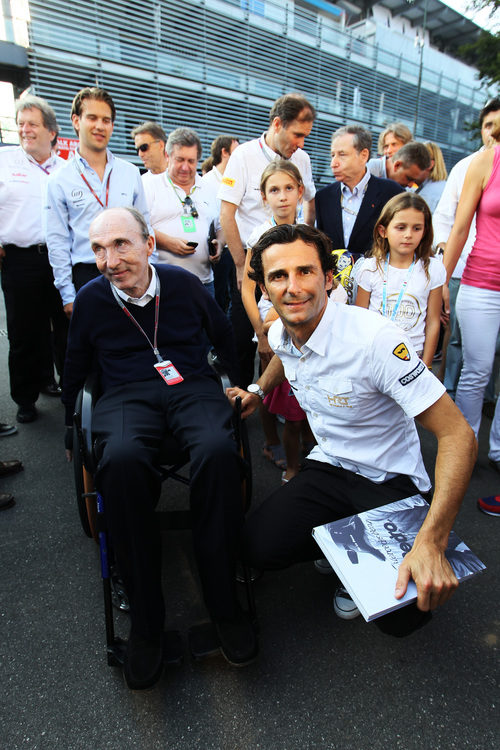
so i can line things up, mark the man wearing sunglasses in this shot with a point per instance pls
(182, 208)
(150, 140)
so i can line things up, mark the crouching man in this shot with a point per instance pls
(361, 384)
(145, 326)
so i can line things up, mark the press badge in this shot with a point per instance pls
(168, 372)
(188, 224)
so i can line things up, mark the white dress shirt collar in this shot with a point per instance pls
(148, 295)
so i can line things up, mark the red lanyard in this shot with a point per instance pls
(93, 191)
(154, 345)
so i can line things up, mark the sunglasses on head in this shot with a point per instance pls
(145, 146)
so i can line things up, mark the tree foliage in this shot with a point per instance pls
(484, 54)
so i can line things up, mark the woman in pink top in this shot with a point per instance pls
(478, 300)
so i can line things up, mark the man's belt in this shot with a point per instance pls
(40, 248)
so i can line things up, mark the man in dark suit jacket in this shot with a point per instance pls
(347, 209)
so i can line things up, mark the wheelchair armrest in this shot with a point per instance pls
(85, 404)
(218, 367)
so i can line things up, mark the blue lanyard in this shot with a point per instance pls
(403, 288)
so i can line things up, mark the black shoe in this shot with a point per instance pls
(7, 429)
(143, 665)
(6, 501)
(27, 413)
(238, 641)
(52, 389)
(10, 467)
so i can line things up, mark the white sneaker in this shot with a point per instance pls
(323, 566)
(343, 605)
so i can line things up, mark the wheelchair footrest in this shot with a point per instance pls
(116, 653)
(203, 640)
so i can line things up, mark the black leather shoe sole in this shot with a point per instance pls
(238, 641)
(6, 501)
(26, 414)
(143, 664)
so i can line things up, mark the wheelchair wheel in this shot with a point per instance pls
(78, 470)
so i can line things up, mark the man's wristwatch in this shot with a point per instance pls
(254, 388)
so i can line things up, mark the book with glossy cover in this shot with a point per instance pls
(366, 550)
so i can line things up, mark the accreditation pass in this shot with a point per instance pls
(168, 372)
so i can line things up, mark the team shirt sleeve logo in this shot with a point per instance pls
(413, 374)
(228, 181)
(401, 352)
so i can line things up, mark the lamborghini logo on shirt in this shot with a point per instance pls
(401, 352)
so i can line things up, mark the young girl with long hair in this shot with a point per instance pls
(401, 280)
(281, 189)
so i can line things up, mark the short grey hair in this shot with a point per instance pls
(362, 137)
(413, 152)
(30, 101)
(136, 215)
(140, 220)
(151, 128)
(183, 137)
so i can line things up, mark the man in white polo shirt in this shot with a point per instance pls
(32, 303)
(361, 384)
(150, 140)
(290, 122)
(182, 208)
(221, 149)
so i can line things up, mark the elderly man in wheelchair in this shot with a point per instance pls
(145, 328)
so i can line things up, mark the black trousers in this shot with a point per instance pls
(130, 422)
(223, 271)
(84, 272)
(243, 335)
(278, 533)
(36, 324)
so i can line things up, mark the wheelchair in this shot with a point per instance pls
(202, 638)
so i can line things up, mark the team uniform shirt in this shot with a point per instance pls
(378, 167)
(168, 215)
(412, 311)
(361, 384)
(22, 189)
(70, 208)
(241, 182)
(431, 191)
(212, 180)
(444, 215)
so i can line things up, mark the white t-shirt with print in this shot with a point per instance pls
(412, 312)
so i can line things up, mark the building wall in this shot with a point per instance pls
(217, 66)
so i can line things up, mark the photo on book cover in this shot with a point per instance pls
(394, 534)
(367, 549)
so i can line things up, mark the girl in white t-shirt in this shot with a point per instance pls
(401, 279)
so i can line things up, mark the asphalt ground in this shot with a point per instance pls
(320, 683)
